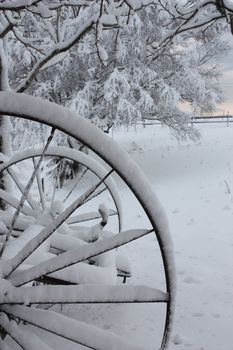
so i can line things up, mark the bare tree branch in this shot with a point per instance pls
(17, 5)
(6, 30)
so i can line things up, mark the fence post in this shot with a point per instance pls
(192, 121)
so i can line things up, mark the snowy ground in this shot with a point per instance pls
(194, 181)
(191, 180)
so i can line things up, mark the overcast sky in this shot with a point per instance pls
(226, 82)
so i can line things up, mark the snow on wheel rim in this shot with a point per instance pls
(45, 112)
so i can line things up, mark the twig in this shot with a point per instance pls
(227, 186)
(76, 184)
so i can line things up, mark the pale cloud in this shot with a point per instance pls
(225, 108)
(226, 82)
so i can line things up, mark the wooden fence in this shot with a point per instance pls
(227, 119)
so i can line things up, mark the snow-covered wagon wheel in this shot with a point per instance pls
(44, 199)
(20, 301)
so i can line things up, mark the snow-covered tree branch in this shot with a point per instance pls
(192, 15)
(97, 57)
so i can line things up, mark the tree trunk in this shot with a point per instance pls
(5, 124)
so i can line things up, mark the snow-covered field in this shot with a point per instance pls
(194, 181)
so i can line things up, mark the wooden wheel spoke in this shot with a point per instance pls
(80, 177)
(14, 202)
(71, 329)
(76, 255)
(39, 185)
(20, 186)
(95, 194)
(89, 294)
(34, 243)
(21, 336)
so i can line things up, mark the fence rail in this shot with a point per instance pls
(196, 120)
(212, 119)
